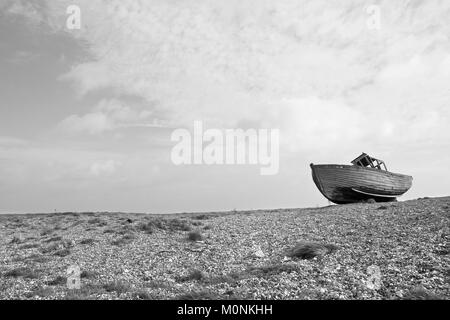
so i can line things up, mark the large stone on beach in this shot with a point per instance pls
(309, 250)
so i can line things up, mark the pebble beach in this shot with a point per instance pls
(397, 250)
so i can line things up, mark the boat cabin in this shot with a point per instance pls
(364, 160)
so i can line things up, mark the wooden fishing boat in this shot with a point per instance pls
(367, 178)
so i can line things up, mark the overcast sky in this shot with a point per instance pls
(86, 115)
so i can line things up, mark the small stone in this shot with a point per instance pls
(259, 253)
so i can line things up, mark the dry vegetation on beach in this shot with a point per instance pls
(318, 253)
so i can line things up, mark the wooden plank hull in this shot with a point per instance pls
(348, 184)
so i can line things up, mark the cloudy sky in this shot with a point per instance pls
(86, 114)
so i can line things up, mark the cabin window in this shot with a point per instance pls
(365, 160)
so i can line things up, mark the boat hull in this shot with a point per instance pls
(349, 184)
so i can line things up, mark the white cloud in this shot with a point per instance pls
(100, 77)
(314, 124)
(31, 11)
(107, 167)
(242, 60)
(91, 123)
(12, 142)
(106, 116)
(69, 167)
(22, 57)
